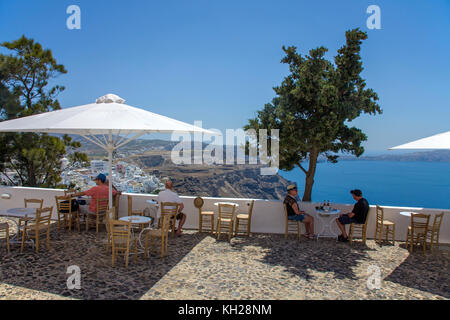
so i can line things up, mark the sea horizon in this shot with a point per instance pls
(387, 183)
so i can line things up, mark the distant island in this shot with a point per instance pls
(426, 156)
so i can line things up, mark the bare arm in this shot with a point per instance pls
(296, 209)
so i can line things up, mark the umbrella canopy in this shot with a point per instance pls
(438, 141)
(109, 117)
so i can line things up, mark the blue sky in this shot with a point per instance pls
(217, 61)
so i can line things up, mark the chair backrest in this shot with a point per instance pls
(35, 203)
(226, 211)
(120, 233)
(42, 218)
(437, 222)
(285, 211)
(165, 223)
(250, 209)
(116, 200)
(367, 218)
(63, 204)
(170, 208)
(130, 205)
(419, 222)
(102, 205)
(379, 213)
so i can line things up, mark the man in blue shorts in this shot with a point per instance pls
(358, 214)
(294, 212)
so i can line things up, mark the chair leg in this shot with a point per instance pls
(350, 233)
(37, 242)
(200, 223)
(218, 229)
(23, 240)
(7, 239)
(212, 224)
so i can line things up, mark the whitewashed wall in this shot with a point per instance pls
(268, 215)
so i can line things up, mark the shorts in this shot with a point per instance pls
(179, 215)
(345, 219)
(297, 217)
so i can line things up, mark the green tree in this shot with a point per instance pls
(314, 105)
(24, 91)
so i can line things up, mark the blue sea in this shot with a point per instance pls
(388, 183)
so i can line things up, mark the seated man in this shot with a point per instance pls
(294, 213)
(358, 214)
(100, 191)
(168, 195)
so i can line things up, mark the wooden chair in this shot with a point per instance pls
(246, 219)
(4, 227)
(116, 201)
(64, 210)
(30, 203)
(36, 226)
(359, 227)
(109, 216)
(121, 239)
(433, 232)
(291, 224)
(167, 215)
(198, 203)
(225, 219)
(102, 208)
(417, 231)
(383, 225)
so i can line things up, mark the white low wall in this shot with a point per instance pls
(268, 215)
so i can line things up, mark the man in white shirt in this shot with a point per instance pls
(168, 195)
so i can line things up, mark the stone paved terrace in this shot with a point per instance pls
(264, 266)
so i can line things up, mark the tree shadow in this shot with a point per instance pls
(303, 257)
(428, 272)
(47, 270)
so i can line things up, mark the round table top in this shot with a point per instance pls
(406, 213)
(232, 203)
(151, 201)
(21, 212)
(328, 212)
(136, 219)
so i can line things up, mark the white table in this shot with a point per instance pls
(327, 218)
(18, 213)
(136, 220)
(232, 203)
(406, 213)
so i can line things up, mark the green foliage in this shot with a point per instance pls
(24, 79)
(315, 103)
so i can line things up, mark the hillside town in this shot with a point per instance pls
(126, 177)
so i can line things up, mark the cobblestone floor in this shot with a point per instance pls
(200, 267)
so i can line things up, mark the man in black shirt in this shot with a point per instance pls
(358, 214)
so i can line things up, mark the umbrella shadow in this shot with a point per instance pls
(47, 271)
(428, 272)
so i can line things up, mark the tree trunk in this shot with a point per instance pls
(309, 180)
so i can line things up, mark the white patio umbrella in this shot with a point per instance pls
(438, 141)
(109, 117)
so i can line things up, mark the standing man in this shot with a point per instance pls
(294, 212)
(169, 195)
(358, 214)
